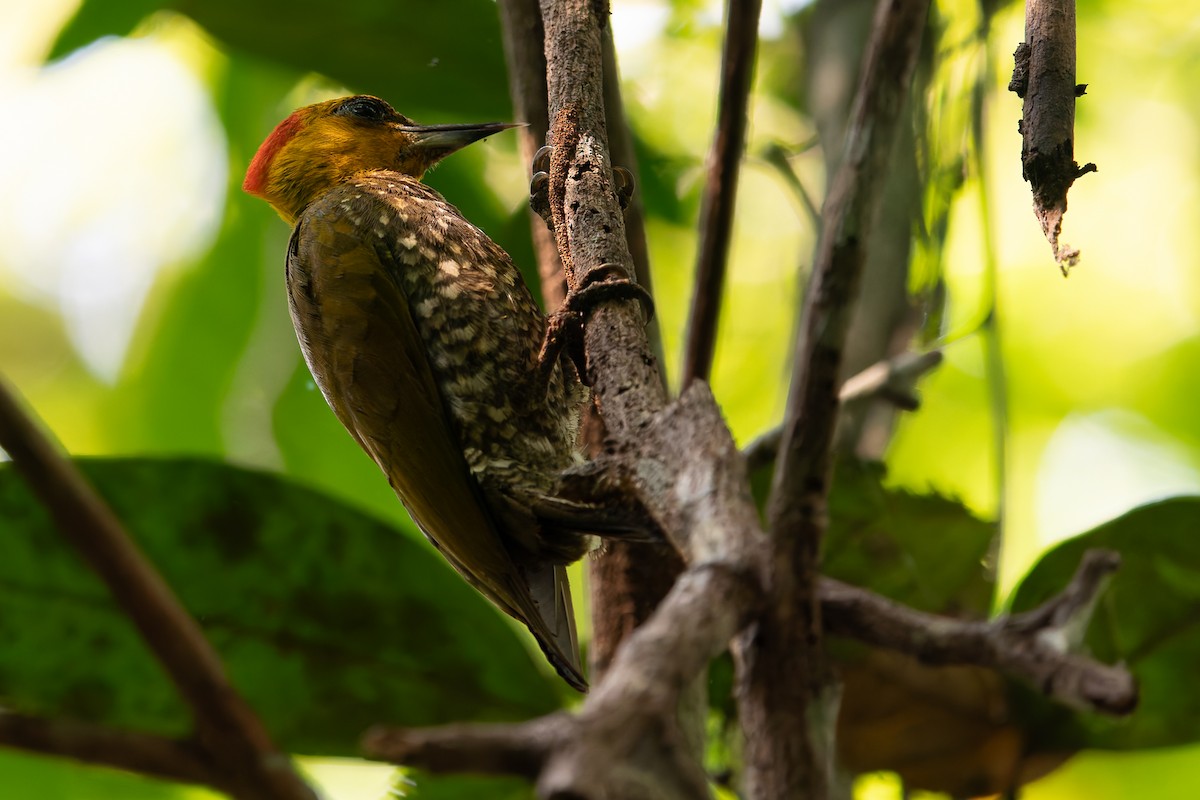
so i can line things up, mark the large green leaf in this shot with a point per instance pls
(1149, 620)
(925, 551)
(443, 55)
(327, 620)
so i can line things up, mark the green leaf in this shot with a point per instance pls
(1149, 619)
(327, 620)
(925, 551)
(420, 55)
(95, 19)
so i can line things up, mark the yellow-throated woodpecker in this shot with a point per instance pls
(425, 342)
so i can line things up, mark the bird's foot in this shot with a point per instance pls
(564, 328)
(539, 186)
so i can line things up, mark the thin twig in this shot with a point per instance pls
(226, 727)
(782, 673)
(891, 378)
(777, 156)
(720, 187)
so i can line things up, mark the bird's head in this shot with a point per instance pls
(322, 145)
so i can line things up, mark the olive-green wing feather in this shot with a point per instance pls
(362, 346)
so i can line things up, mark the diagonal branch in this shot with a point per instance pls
(720, 188)
(226, 726)
(168, 759)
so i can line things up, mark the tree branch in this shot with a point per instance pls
(168, 759)
(891, 378)
(1044, 77)
(629, 579)
(1030, 647)
(249, 764)
(521, 25)
(620, 723)
(781, 678)
(680, 464)
(720, 187)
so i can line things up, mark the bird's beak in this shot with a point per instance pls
(438, 141)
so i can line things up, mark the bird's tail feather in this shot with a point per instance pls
(558, 639)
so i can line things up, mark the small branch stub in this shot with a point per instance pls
(1044, 77)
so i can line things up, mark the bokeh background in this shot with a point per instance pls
(141, 293)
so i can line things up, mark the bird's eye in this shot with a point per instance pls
(365, 108)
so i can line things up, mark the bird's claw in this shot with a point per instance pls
(539, 185)
(624, 184)
(564, 327)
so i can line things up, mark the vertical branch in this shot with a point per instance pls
(521, 24)
(620, 140)
(720, 189)
(622, 369)
(990, 328)
(226, 726)
(629, 579)
(781, 678)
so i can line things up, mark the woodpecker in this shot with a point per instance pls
(426, 343)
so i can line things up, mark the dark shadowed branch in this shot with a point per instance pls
(182, 762)
(248, 764)
(720, 186)
(1032, 647)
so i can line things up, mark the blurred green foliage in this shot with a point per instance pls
(213, 371)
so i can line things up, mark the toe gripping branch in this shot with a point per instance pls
(539, 186)
(609, 281)
(564, 328)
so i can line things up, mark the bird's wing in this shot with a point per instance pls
(362, 346)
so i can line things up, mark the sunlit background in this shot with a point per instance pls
(117, 177)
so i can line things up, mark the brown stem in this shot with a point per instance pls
(781, 672)
(226, 727)
(1018, 646)
(620, 744)
(521, 24)
(1044, 76)
(168, 759)
(890, 379)
(720, 188)
(628, 580)
(520, 749)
